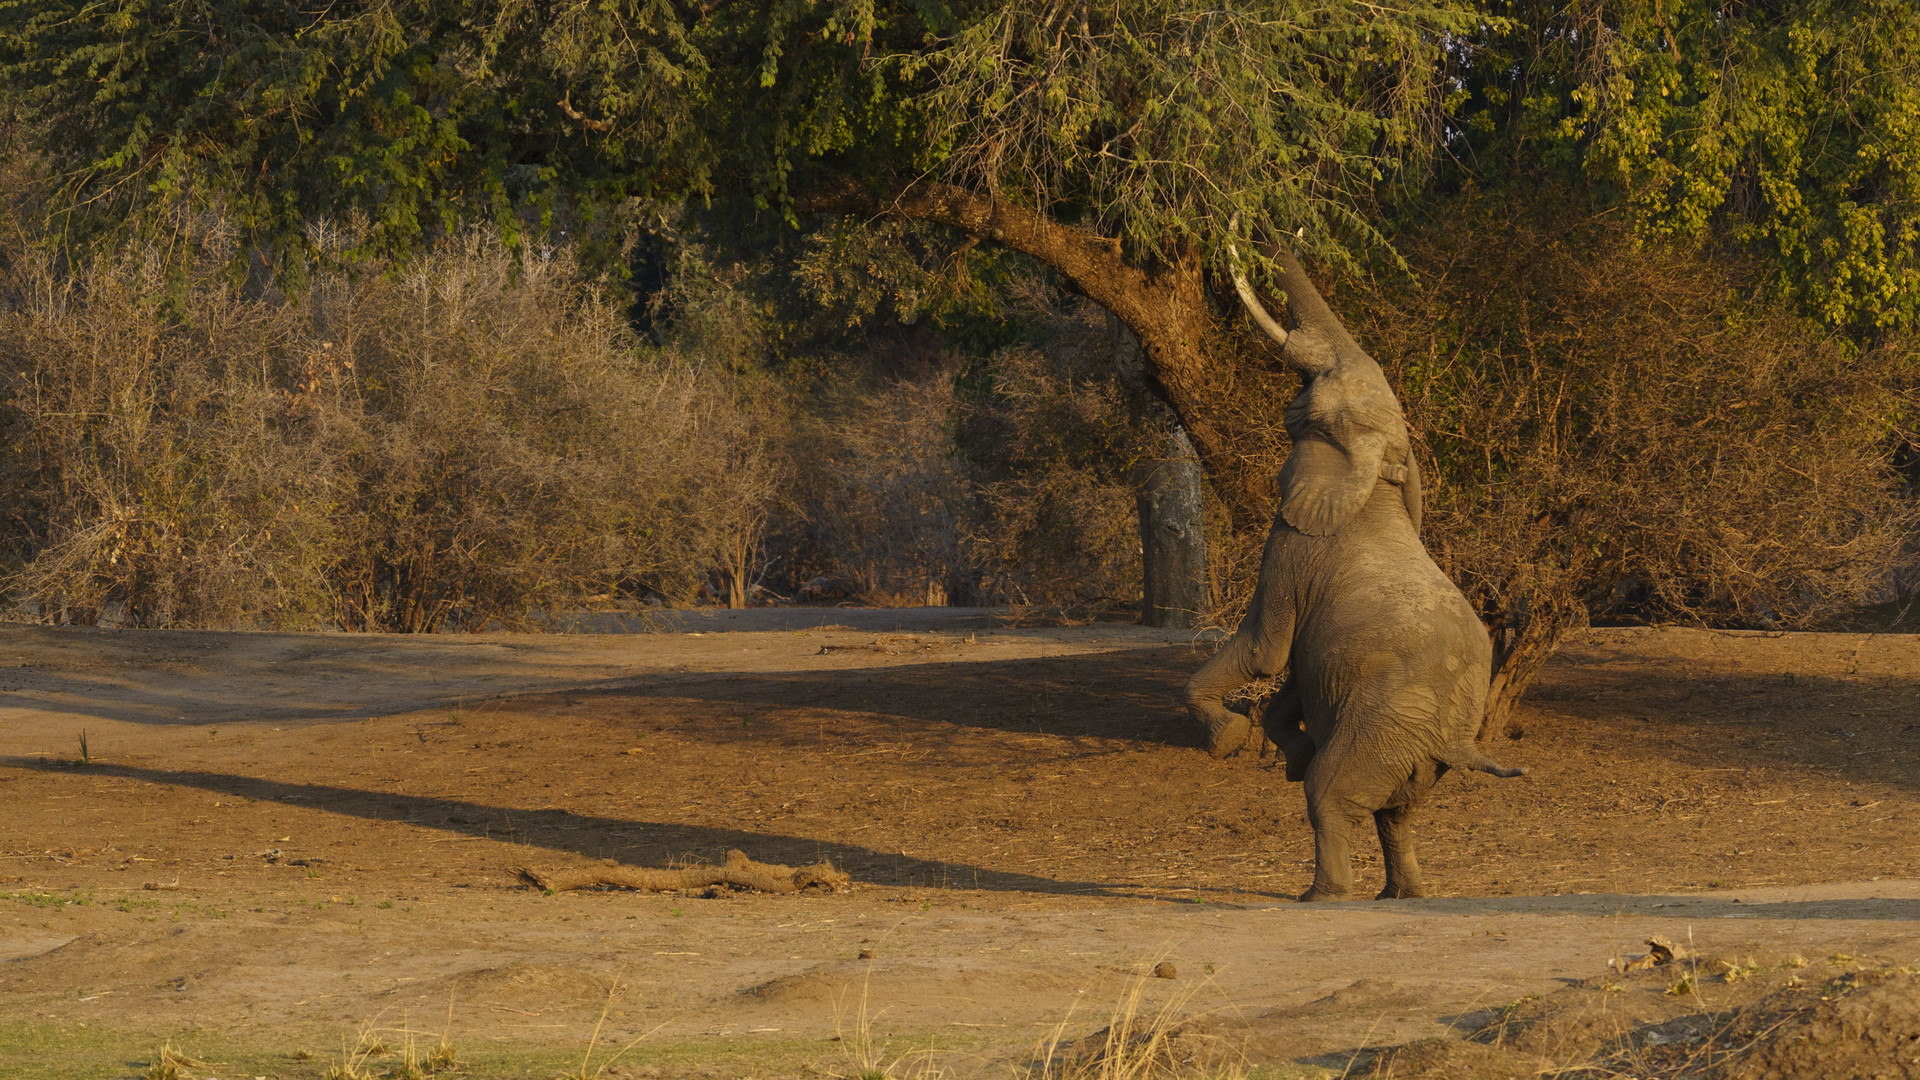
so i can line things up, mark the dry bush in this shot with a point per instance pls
(1007, 481)
(147, 479)
(1633, 432)
(1058, 461)
(889, 497)
(735, 440)
(478, 440)
(507, 449)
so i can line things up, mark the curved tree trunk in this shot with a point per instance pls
(1166, 306)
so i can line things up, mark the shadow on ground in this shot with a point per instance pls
(1133, 694)
(638, 843)
(169, 677)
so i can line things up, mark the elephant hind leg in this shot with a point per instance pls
(1333, 826)
(1396, 845)
(1335, 808)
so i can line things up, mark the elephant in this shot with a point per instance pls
(1388, 664)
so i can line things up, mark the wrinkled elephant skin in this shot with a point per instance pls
(1388, 664)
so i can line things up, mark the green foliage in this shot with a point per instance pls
(1159, 120)
(414, 115)
(1153, 120)
(1793, 128)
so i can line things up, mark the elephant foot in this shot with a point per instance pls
(1401, 892)
(1319, 895)
(1228, 734)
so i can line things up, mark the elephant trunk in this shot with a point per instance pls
(1324, 334)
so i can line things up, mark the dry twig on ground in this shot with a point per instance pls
(739, 872)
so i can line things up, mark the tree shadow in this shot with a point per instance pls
(169, 677)
(636, 843)
(166, 678)
(1858, 727)
(1132, 695)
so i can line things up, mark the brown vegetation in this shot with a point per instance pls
(480, 439)
(1725, 1018)
(1635, 433)
(476, 441)
(738, 872)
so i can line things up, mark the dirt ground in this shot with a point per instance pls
(275, 842)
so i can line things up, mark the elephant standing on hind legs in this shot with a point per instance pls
(1388, 663)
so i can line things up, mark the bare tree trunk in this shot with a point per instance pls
(1173, 539)
(737, 563)
(1171, 501)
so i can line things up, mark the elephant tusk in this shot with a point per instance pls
(1255, 310)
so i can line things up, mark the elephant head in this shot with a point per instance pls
(1346, 425)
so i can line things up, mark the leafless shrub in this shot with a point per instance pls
(476, 441)
(890, 496)
(1003, 481)
(147, 479)
(736, 449)
(1634, 432)
(1056, 452)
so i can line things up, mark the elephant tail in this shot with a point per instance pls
(1469, 756)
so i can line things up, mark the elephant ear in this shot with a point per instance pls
(1325, 482)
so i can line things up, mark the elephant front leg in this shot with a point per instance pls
(1259, 649)
(1285, 725)
(1230, 669)
(1396, 845)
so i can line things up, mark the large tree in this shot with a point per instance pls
(1122, 144)
(1113, 142)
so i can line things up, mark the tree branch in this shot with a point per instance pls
(1165, 305)
(578, 117)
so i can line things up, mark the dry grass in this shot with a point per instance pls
(480, 440)
(869, 1057)
(170, 1064)
(1706, 1019)
(1138, 1042)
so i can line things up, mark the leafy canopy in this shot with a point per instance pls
(1793, 128)
(1153, 121)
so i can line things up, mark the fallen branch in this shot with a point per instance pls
(739, 872)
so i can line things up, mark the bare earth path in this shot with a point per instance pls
(278, 839)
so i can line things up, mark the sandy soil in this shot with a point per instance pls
(277, 839)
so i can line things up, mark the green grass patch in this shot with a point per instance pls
(50, 901)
